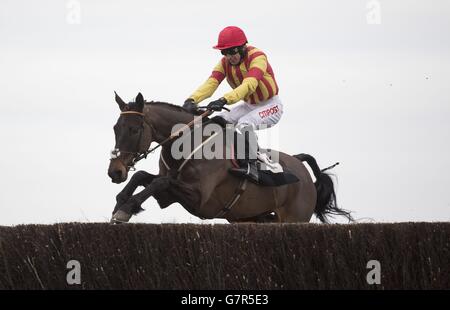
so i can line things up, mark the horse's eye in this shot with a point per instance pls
(133, 130)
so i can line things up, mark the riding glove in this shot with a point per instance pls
(217, 105)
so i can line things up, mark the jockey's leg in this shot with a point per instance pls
(247, 151)
(237, 111)
(263, 115)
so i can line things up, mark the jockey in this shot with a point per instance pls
(249, 73)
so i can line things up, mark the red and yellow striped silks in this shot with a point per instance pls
(252, 81)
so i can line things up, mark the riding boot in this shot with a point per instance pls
(249, 166)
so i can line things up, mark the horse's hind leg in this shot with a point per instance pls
(299, 210)
(269, 217)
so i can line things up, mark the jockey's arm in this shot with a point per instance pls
(247, 87)
(208, 88)
(256, 71)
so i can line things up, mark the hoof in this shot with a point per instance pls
(120, 217)
(114, 221)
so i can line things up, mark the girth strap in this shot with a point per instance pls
(239, 190)
(237, 194)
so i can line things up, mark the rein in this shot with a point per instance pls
(141, 155)
(172, 136)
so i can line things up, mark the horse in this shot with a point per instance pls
(204, 187)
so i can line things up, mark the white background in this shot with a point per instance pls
(368, 88)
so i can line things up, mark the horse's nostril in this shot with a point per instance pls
(117, 174)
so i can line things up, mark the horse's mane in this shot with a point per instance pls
(132, 106)
(176, 107)
(170, 105)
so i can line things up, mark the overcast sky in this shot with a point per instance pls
(366, 87)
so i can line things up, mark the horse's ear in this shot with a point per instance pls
(140, 102)
(120, 102)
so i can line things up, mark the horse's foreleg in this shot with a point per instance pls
(133, 204)
(139, 178)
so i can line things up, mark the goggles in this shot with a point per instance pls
(230, 51)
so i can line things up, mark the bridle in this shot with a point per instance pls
(115, 154)
(137, 156)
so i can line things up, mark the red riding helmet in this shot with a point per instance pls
(230, 36)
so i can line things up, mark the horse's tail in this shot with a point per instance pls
(326, 197)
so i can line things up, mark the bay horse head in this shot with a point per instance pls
(133, 137)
